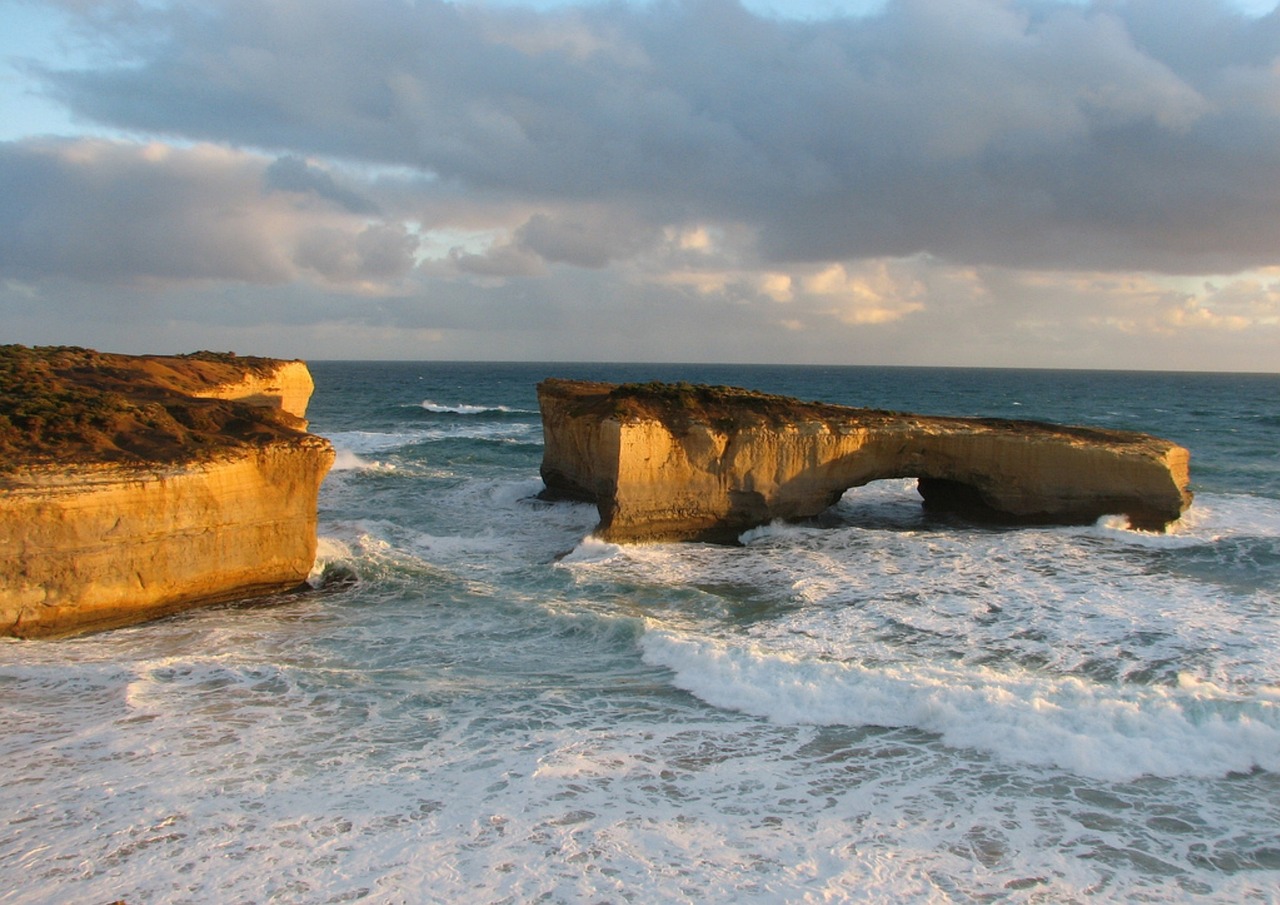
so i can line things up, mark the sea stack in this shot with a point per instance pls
(684, 462)
(132, 487)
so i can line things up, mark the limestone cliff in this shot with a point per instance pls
(132, 487)
(287, 386)
(669, 462)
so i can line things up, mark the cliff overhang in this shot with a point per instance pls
(686, 462)
(132, 487)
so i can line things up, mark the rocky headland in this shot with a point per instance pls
(132, 487)
(683, 462)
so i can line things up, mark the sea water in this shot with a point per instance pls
(873, 706)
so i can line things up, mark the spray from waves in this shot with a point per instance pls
(331, 553)
(347, 460)
(591, 550)
(1101, 730)
(465, 409)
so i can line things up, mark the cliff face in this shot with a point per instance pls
(287, 387)
(677, 462)
(137, 487)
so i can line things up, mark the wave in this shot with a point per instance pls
(363, 443)
(465, 409)
(346, 460)
(1079, 647)
(591, 550)
(1105, 731)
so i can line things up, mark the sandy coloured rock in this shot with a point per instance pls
(681, 462)
(137, 486)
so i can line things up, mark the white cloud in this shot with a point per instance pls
(870, 294)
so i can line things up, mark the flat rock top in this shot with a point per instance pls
(62, 405)
(681, 405)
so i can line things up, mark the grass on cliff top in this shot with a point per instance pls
(682, 404)
(722, 401)
(68, 405)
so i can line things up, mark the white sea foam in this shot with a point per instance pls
(372, 442)
(1104, 731)
(346, 460)
(477, 721)
(1214, 516)
(1110, 652)
(591, 550)
(465, 409)
(292, 773)
(329, 551)
(1211, 518)
(362, 443)
(777, 532)
(1182, 533)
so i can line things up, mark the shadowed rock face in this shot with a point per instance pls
(681, 462)
(136, 486)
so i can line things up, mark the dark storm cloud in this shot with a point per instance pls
(1143, 134)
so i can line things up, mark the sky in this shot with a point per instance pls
(989, 183)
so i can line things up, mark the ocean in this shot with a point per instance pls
(875, 706)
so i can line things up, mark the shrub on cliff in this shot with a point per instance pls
(65, 403)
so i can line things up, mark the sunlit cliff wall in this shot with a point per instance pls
(667, 463)
(88, 545)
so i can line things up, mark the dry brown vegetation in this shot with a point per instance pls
(684, 401)
(679, 405)
(64, 404)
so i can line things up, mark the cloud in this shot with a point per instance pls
(505, 260)
(945, 181)
(293, 174)
(585, 241)
(875, 296)
(110, 211)
(1034, 134)
(375, 255)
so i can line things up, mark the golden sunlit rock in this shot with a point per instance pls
(682, 462)
(136, 486)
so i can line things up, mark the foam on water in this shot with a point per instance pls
(465, 409)
(1102, 650)
(367, 442)
(873, 707)
(346, 460)
(298, 769)
(1099, 730)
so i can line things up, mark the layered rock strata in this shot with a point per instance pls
(681, 462)
(133, 487)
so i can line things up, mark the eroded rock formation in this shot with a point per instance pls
(132, 487)
(680, 462)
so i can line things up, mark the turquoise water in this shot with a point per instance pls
(874, 707)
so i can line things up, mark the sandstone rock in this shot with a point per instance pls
(672, 462)
(287, 387)
(132, 487)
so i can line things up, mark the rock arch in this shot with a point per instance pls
(682, 462)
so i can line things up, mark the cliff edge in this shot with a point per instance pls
(136, 486)
(682, 462)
